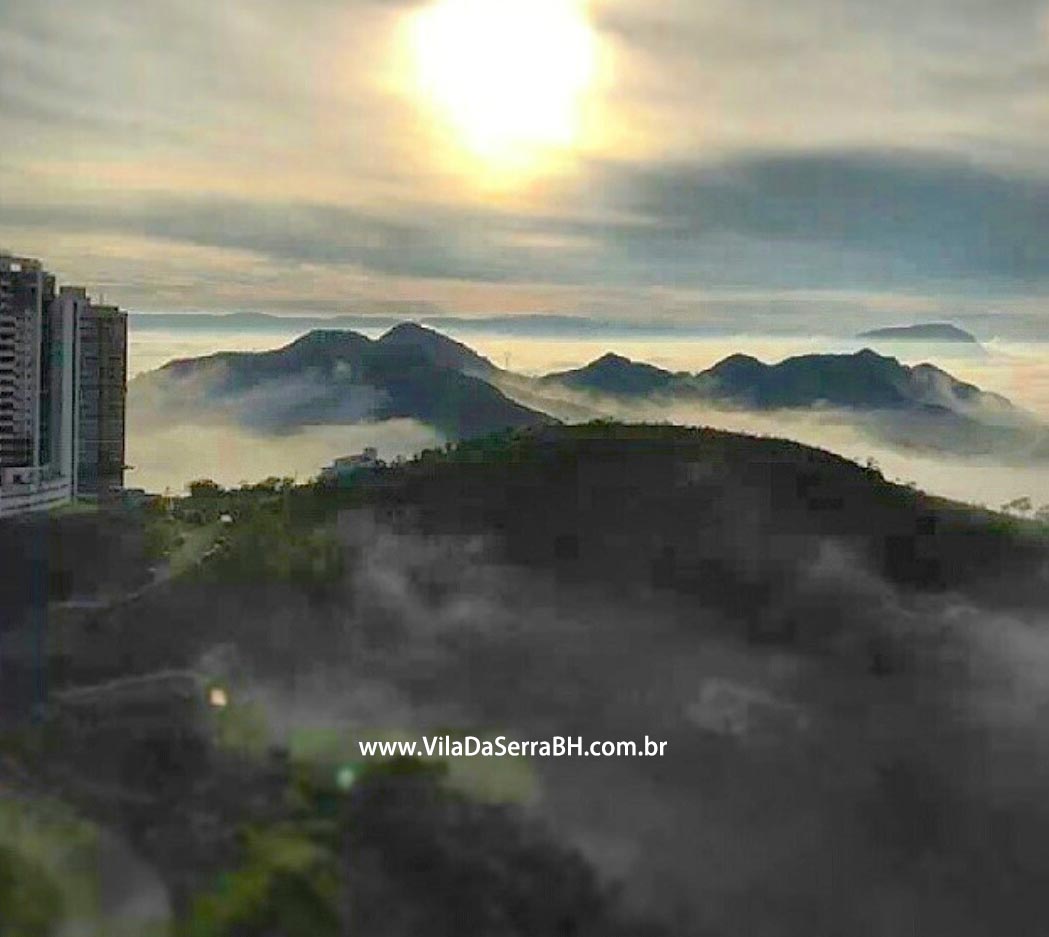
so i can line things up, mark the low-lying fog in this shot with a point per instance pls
(800, 793)
(167, 456)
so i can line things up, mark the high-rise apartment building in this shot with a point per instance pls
(63, 368)
(102, 389)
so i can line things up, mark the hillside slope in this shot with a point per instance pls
(334, 377)
(848, 676)
(725, 516)
(920, 406)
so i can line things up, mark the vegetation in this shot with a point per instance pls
(265, 545)
(267, 532)
(397, 853)
(707, 511)
(315, 842)
(287, 883)
(31, 902)
(48, 868)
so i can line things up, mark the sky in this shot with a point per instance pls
(753, 164)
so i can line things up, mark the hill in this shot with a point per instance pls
(863, 381)
(438, 349)
(767, 610)
(614, 374)
(920, 406)
(926, 332)
(711, 513)
(334, 377)
(331, 377)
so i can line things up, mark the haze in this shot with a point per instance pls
(167, 457)
(831, 165)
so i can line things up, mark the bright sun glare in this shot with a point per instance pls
(510, 77)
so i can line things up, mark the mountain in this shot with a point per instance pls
(614, 374)
(862, 381)
(816, 649)
(341, 377)
(920, 407)
(438, 349)
(333, 377)
(689, 509)
(926, 332)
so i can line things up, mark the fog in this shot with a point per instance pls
(167, 452)
(166, 457)
(800, 793)
(882, 773)
(1019, 372)
(978, 480)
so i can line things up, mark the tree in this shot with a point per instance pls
(1019, 505)
(205, 488)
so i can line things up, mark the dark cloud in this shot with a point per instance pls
(776, 127)
(433, 246)
(849, 218)
(819, 220)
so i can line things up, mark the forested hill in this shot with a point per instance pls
(715, 513)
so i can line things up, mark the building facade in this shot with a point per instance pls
(61, 396)
(102, 396)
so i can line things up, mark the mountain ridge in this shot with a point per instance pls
(922, 332)
(340, 376)
(412, 371)
(860, 380)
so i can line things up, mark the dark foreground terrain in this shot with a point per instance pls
(849, 676)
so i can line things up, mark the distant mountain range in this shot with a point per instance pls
(863, 381)
(918, 406)
(335, 377)
(926, 332)
(520, 326)
(383, 316)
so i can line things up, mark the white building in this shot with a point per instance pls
(346, 467)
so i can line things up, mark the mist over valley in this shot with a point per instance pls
(255, 441)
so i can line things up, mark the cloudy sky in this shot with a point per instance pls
(758, 162)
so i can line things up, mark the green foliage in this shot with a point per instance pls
(31, 903)
(48, 866)
(267, 546)
(287, 883)
(289, 879)
(242, 728)
(271, 485)
(161, 535)
(491, 449)
(1019, 505)
(204, 488)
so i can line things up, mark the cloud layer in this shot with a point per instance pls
(178, 155)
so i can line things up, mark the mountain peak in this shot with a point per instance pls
(614, 374)
(611, 359)
(411, 330)
(738, 359)
(326, 338)
(437, 349)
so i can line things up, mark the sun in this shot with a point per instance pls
(510, 78)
